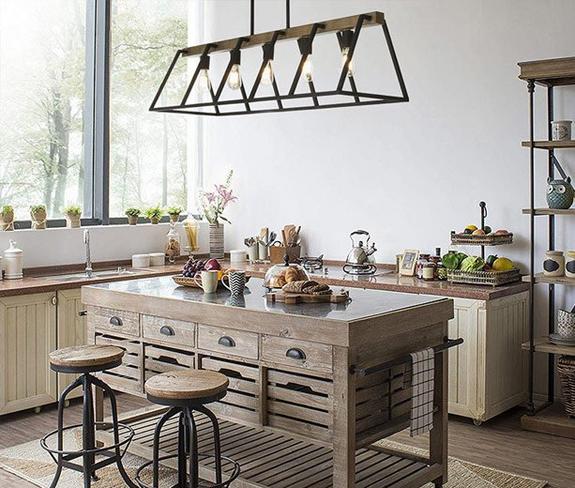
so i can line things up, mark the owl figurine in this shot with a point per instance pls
(560, 193)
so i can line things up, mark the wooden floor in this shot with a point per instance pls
(500, 443)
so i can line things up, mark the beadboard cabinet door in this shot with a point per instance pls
(27, 336)
(71, 330)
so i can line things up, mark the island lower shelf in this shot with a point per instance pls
(275, 459)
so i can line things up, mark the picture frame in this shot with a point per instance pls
(408, 262)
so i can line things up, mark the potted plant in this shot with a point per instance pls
(72, 214)
(154, 214)
(39, 216)
(213, 204)
(174, 213)
(7, 217)
(132, 213)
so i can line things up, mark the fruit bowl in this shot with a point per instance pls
(489, 278)
(494, 239)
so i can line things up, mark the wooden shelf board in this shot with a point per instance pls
(558, 71)
(551, 420)
(542, 344)
(550, 211)
(550, 144)
(559, 280)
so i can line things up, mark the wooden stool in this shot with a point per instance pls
(84, 360)
(186, 392)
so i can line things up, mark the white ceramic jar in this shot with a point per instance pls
(238, 256)
(141, 261)
(570, 264)
(157, 259)
(561, 130)
(13, 262)
(554, 264)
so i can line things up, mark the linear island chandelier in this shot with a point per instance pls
(347, 30)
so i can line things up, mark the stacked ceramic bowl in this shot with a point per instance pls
(565, 330)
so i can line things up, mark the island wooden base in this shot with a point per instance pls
(269, 458)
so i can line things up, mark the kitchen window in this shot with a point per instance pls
(76, 81)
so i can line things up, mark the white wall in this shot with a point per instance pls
(409, 173)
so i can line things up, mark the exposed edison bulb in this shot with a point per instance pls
(344, 58)
(268, 74)
(204, 83)
(235, 77)
(307, 69)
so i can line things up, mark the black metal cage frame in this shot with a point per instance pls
(347, 30)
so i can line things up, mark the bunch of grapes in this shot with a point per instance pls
(192, 267)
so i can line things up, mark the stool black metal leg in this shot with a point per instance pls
(61, 403)
(88, 434)
(193, 452)
(156, 452)
(114, 409)
(182, 449)
(217, 445)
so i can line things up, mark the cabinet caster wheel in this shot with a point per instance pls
(66, 403)
(477, 423)
(37, 410)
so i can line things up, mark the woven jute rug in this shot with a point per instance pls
(31, 463)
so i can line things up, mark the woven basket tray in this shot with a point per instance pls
(489, 278)
(489, 240)
(566, 370)
(183, 281)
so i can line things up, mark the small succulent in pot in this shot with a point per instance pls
(132, 213)
(73, 213)
(174, 213)
(39, 215)
(7, 217)
(154, 214)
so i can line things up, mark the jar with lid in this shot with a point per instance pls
(13, 259)
(423, 259)
(429, 271)
(173, 247)
(554, 264)
(570, 264)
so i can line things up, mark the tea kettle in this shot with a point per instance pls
(357, 261)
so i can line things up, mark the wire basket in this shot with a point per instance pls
(487, 240)
(488, 278)
(566, 370)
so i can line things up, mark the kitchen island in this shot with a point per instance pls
(312, 387)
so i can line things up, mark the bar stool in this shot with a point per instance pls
(85, 360)
(187, 392)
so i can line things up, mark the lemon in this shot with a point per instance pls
(471, 228)
(503, 264)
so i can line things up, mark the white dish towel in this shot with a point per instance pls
(423, 385)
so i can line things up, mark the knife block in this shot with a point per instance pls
(277, 254)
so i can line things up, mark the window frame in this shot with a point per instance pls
(96, 206)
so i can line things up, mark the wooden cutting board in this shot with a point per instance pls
(295, 298)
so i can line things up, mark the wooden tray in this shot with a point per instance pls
(490, 278)
(488, 240)
(295, 298)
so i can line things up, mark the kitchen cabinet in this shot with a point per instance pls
(71, 330)
(488, 372)
(27, 336)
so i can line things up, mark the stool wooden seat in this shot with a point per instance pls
(84, 359)
(200, 386)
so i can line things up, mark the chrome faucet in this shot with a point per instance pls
(88, 269)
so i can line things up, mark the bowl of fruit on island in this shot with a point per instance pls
(494, 270)
(485, 236)
(194, 266)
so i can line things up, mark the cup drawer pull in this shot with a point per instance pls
(116, 321)
(167, 330)
(226, 341)
(295, 353)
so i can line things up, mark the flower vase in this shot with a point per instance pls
(217, 241)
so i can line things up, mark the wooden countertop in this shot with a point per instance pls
(35, 281)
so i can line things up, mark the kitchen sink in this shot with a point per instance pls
(111, 273)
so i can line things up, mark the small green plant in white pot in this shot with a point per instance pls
(132, 213)
(7, 217)
(73, 213)
(174, 213)
(154, 214)
(39, 216)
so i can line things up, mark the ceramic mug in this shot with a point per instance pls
(208, 281)
(561, 130)
(235, 281)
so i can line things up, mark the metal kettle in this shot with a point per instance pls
(357, 261)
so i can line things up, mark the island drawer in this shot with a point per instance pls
(309, 355)
(118, 321)
(128, 376)
(167, 330)
(161, 359)
(228, 341)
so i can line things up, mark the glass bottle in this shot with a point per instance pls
(173, 247)
(192, 228)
